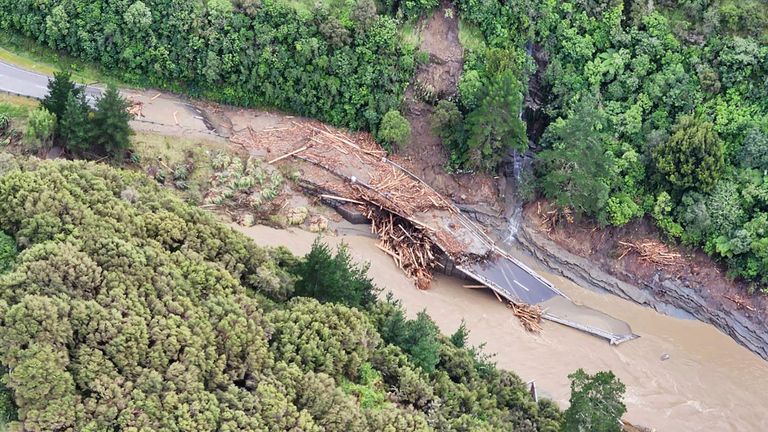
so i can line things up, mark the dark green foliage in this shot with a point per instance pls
(110, 127)
(495, 128)
(693, 155)
(595, 403)
(417, 338)
(8, 409)
(75, 126)
(574, 171)
(253, 53)
(410, 9)
(459, 338)
(334, 278)
(59, 89)
(420, 342)
(7, 252)
(754, 152)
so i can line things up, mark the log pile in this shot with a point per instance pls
(651, 251)
(529, 316)
(412, 250)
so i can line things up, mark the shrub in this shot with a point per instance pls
(394, 130)
(41, 127)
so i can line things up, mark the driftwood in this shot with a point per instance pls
(287, 155)
(651, 251)
(529, 316)
(740, 303)
(407, 244)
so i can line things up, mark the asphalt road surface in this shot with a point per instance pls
(32, 84)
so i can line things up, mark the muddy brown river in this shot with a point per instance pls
(709, 382)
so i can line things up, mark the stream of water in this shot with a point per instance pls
(708, 383)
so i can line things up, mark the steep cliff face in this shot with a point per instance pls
(663, 292)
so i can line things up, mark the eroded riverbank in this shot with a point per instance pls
(708, 383)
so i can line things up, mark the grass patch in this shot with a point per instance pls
(470, 36)
(16, 107)
(28, 54)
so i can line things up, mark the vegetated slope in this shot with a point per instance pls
(347, 70)
(655, 108)
(126, 309)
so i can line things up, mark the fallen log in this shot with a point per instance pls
(287, 155)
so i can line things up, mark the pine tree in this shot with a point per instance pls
(111, 130)
(59, 89)
(74, 127)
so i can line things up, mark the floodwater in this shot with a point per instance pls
(708, 383)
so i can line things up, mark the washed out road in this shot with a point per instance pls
(161, 113)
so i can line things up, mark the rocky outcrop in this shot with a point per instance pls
(663, 293)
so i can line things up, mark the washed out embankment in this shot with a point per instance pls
(708, 383)
(663, 292)
(415, 224)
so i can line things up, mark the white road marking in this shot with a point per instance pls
(521, 285)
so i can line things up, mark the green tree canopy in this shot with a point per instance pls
(74, 124)
(575, 170)
(111, 130)
(59, 90)
(595, 404)
(495, 126)
(394, 129)
(693, 155)
(334, 278)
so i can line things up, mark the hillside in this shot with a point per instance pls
(127, 309)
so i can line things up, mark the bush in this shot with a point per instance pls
(41, 127)
(394, 130)
(693, 157)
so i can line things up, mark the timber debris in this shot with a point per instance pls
(412, 250)
(529, 316)
(135, 108)
(651, 251)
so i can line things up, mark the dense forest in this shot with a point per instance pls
(649, 109)
(123, 308)
(343, 66)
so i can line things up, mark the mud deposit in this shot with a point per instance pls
(708, 383)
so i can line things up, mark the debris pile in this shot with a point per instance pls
(529, 316)
(135, 108)
(551, 218)
(651, 251)
(410, 247)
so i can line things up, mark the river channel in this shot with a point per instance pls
(708, 382)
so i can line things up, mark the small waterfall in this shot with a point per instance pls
(514, 205)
